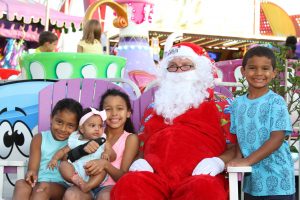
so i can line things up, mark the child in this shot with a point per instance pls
(260, 120)
(90, 42)
(125, 144)
(47, 42)
(40, 182)
(90, 128)
(291, 42)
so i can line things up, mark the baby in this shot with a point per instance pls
(90, 128)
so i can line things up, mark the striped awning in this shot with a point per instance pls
(208, 41)
(27, 15)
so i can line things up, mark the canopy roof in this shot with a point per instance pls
(209, 41)
(19, 12)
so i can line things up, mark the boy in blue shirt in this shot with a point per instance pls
(261, 121)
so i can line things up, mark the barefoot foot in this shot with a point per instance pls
(78, 181)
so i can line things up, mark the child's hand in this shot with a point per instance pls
(95, 167)
(111, 154)
(31, 178)
(91, 147)
(238, 162)
(105, 156)
(52, 164)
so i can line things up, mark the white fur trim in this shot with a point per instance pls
(181, 51)
(184, 52)
(180, 91)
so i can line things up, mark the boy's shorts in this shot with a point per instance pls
(273, 197)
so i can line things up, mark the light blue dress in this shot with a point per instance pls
(253, 120)
(49, 147)
(74, 141)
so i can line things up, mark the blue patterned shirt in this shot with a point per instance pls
(253, 121)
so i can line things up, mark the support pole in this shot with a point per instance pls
(47, 16)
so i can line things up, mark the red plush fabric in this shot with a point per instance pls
(222, 105)
(150, 186)
(174, 150)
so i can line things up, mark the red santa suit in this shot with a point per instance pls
(173, 150)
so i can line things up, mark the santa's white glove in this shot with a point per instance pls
(141, 165)
(212, 166)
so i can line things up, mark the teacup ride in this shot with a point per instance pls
(64, 65)
(133, 18)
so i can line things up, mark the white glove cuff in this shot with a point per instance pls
(220, 162)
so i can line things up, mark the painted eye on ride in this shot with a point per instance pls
(22, 137)
(6, 139)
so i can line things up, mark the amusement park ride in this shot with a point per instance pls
(19, 109)
(19, 100)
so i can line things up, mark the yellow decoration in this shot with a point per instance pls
(155, 45)
(120, 22)
(245, 50)
(280, 22)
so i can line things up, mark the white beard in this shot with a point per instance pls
(179, 92)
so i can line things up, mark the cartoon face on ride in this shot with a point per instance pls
(16, 131)
(18, 118)
(18, 121)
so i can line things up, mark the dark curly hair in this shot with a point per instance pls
(260, 51)
(70, 105)
(114, 92)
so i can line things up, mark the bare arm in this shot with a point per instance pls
(59, 155)
(272, 144)
(109, 153)
(238, 153)
(79, 49)
(34, 160)
(130, 152)
(238, 157)
(229, 153)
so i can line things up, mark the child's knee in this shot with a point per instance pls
(20, 182)
(22, 189)
(70, 195)
(41, 187)
(41, 191)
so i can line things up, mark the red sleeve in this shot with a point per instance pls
(147, 115)
(222, 105)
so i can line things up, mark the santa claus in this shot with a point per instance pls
(184, 144)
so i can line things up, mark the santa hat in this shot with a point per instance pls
(188, 50)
